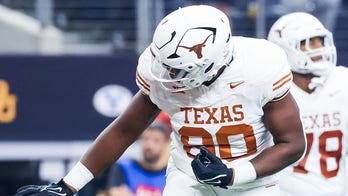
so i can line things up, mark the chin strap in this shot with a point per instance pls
(316, 82)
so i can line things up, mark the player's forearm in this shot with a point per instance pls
(107, 148)
(113, 141)
(277, 158)
(100, 155)
(120, 134)
(282, 118)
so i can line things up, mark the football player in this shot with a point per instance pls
(320, 89)
(235, 124)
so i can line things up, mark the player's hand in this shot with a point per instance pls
(59, 189)
(209, 169)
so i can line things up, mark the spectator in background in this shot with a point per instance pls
(99, 184)
(146, 175)
(320, 89)
(164, 118)
(325, 10)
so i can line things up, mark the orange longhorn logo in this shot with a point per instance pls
(197, 48)
(279, 31)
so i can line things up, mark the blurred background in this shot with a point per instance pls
(67, 70)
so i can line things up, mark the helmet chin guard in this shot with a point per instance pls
(189, 46)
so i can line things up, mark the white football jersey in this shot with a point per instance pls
(325, 120)
(225, 116)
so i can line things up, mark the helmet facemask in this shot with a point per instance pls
(319, 61)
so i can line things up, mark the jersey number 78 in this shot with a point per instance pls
(324, 153)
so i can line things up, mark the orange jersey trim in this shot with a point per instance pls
(281, 97)
(142, 82)
(282, 81)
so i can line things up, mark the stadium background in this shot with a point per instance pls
(67, 69)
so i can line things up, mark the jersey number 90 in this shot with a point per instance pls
(222, 139)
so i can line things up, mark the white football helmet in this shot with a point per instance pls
(189, 46)
(290, 30)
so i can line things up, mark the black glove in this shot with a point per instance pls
(59, 189)
(209, 169)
